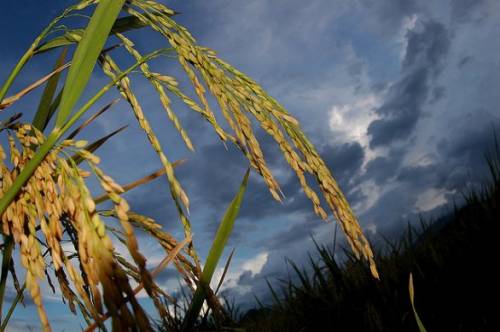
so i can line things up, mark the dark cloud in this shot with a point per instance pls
(391, 13)
(467, 10)
(460, 164)
(464, 61)
(344, 161)
(464, 159)
(383, 169)
(167, 274)
(392, 211)
(293, 236)
(425, 52)
(427, 46)
(401, 111)
(246, 278)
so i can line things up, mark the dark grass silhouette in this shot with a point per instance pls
(451, 260)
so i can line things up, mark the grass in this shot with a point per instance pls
(450, 265)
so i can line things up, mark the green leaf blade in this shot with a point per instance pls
(411, 290)
(86, 54)
(42, 114)
(220, 241)
(71, 37)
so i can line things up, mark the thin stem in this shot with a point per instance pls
(12, 307)
(6, 257)
(30, 52)
(163, 264)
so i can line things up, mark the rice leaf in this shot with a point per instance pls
(52, 109)
(13, 305)
(71, 37)
(421, 326)
(221, 238)
(43, 113)
(92, 118)
(86, 54)
(141, 181)
(97, 144)
(226, 268)
(7, 102)
(10, 121)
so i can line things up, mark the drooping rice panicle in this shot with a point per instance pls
(177, 192)
(237, 96)
(165, 101)
(114, 190)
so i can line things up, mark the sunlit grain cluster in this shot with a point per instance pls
(57, 202)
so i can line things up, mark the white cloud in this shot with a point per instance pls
(349, 122)
(254, 265)
(430, 199)
(409, 24)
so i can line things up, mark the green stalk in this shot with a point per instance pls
(90, 46)
(30, 52)
(221, 238)
(6, 257)
(16, 70)
(12, 307)
(420, 325)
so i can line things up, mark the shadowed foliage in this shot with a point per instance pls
(450, 261)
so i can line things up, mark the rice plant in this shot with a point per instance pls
(45, 199)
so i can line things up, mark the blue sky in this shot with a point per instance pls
(400, 98)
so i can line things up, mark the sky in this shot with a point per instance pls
(399, 97)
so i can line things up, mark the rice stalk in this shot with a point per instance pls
(7, 102)
(32, 49)
(165, 101)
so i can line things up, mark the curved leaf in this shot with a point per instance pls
(71, 37)
(86, 55)
(221, 238)
(421, 326)
(42, 115)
